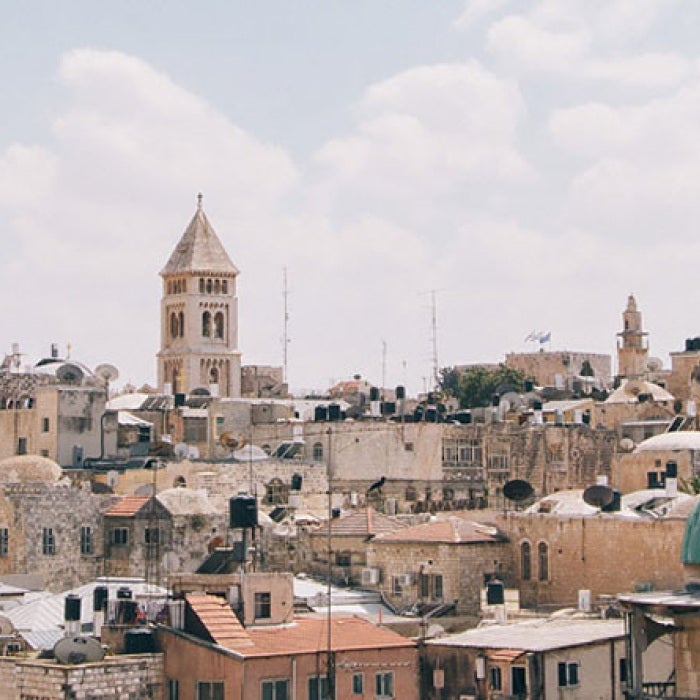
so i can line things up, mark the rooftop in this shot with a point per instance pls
(452, 530)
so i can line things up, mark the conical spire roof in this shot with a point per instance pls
(199, 249)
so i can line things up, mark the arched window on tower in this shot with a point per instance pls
(206, 324)
(219, 325)
(214, 375)
(217, 287)
(181, 323)
(173, 325)
(224, 286)
(543, 561)
(201, 285)
(209, 286)
(184, 286)
(525, 561)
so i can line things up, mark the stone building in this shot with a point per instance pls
(49, 526)
(632, 345)
(561, 368)
(199, 315)
(441, 563)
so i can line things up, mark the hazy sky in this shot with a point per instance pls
(532, 162)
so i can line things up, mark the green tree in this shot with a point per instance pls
(475, 386)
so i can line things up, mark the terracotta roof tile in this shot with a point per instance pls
(219, 620)
(128, 506)
(363, 522)
(452, 530)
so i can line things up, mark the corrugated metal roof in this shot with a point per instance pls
(537, 635)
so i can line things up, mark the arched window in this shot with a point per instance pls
(214, 375)
(224, 286)
(173, 326)
(170, 287)
(219, 325)
(543, 561)
(525, 562)
(317, 452)
(181, 323)
(217, 287)
(209, 286)
(206, 324)
(201, 285)
(180, 482)
(184, 286)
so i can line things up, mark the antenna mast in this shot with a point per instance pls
(285, 337)
(433, 307)
(383, 365)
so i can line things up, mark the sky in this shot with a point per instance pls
(527, 165)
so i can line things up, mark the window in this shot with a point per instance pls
(151, 535)
(525, 562)
(568, 674)
(263, 606)
(318, 688)
(120, 535)
(224, 286)
(174, 331)
(317, 452)
(219, 325)
(437, 586)
(172, 690)
(518, 686)
(274, 690)
(358, 683)
(543, 561)
(210, 690)
(4, 541)
(396, 588)
(206, 324)
(424, 585)
(45, 425)
(22, 446)
(86, 539)
(343, 558)
(623, 670)
(210, 286)
(181, 323)
(495, 678)
(384, 684)
(201, 285)
(48, 541)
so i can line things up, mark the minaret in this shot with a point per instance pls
(199, 315)
(632, 347)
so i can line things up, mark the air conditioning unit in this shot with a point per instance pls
(370, 576)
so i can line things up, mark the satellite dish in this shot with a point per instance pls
(113, 478)
(654, 364)
(181, 450)
(598, 495)
(627, 444)
(78, 650)
(7, 629)
(200, 391)
(518, 490)
(69, 374)
(107, 373)
(634, 387)
(514, 400)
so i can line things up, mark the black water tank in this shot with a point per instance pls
(614, 505)
(495, 400)
(388, 408)
(529, 385)
(335, 513)
(333, 411)
(537, 405)
(243, 511)
(71, 608)
(400, 393)
(374, 393)
(671, 470)
(494, 593)
(296, 482)
(127, 611)
(180, 400)
(100, 596)
(431, 415)
(139, 641)
(124, 593)
(320, 414)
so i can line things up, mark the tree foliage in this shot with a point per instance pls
(475, 386)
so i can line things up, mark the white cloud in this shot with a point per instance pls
(650, 70)
(476, 10)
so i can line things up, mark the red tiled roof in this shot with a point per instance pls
(452, 530)
(361, 523)
(219, 620)
(310, 635)
(128, 506)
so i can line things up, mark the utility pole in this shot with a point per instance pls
(436, 369)
(285, 336)
(383, 365)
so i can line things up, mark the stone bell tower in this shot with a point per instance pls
(199, 315)
(632, 346)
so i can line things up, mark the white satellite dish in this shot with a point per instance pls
(107, 373)
(78, 650)
(627, 444)
(113, 478)
(6, 627)
(181, 450)
(654, 364)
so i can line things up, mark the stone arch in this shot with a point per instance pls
(206, 324)
(525, 561)
(219, 325)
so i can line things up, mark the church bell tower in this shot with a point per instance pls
(199, 315)
(632, 346)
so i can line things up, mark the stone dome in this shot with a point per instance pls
(29, 469)
(184, 501)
